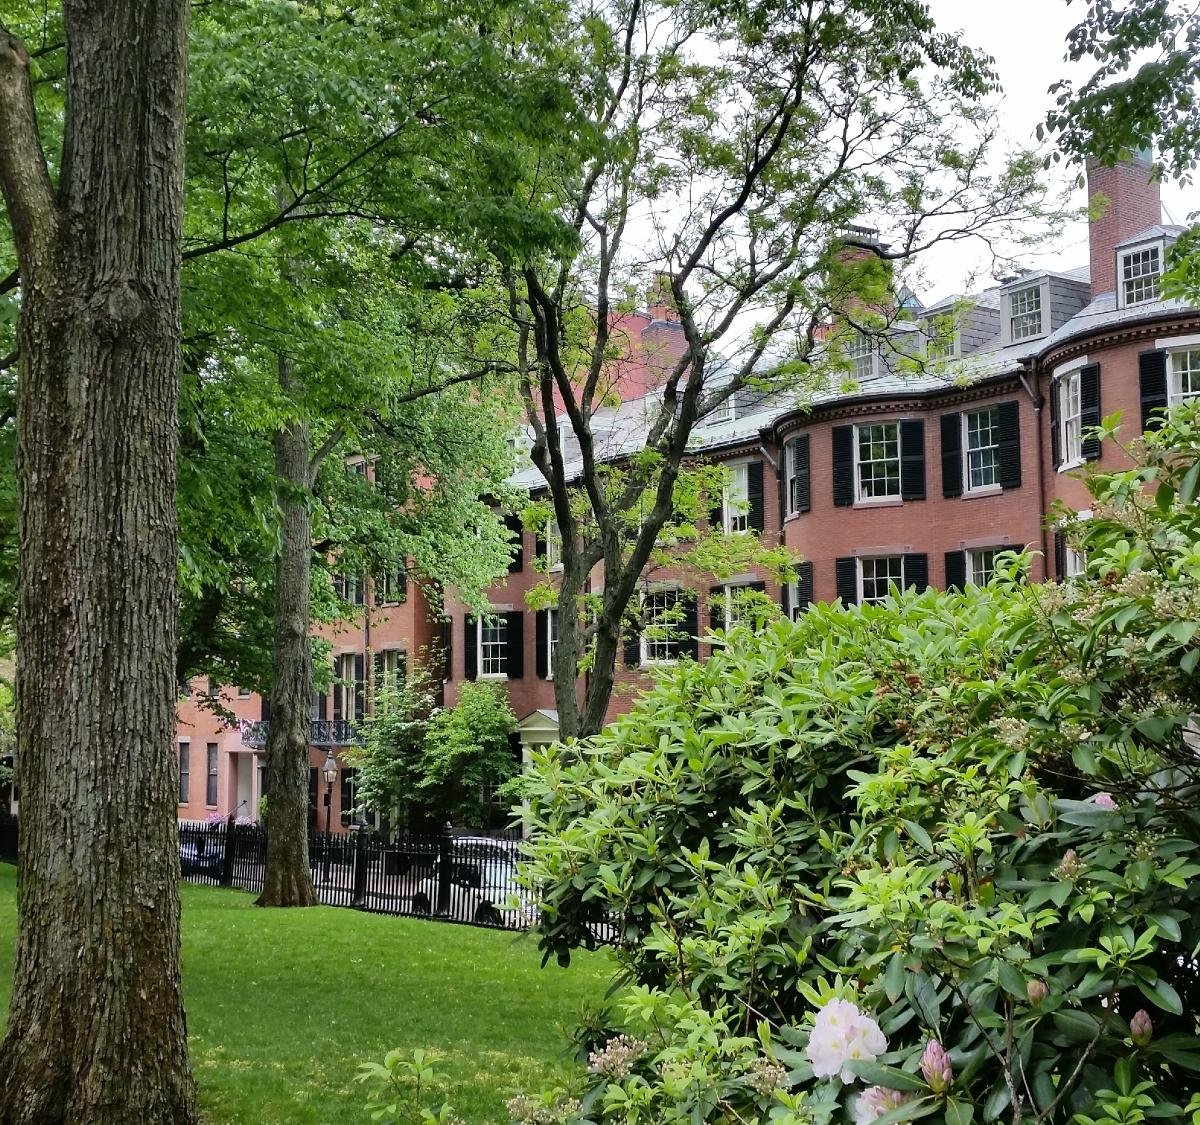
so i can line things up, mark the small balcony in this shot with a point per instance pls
(321, 732)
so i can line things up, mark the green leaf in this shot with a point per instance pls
(876, 1074)
(1159, 992)
(959, 1113)
(919, 834)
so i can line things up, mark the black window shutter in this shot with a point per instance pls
(541, 663)
(912, 459)
(754, 494)
(1152, 375)
(952, 466)
(1060, 556)
(339, 691)
(843, 466)
(359, 585)
(1009, 417)
(758, 588)
(916, 571)
(1055, 434)
(517, 562)
(804, 586)
(514, 640)
(360, 685)
(688, 645)
(801, 497)
(956, 570)
(322, 706)
(377, 674)
(266, 709)
(339, 586)
(539, 545)
(447, 649)
(716, 608)
(847, 580)
(1089, 407)
(470, 648)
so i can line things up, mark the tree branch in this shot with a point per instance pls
(24, 177)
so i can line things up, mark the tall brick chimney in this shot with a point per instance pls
(1122, 201)
(660, 301)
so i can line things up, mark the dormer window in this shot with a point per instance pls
(863, 356)
(1139, 271)
(941, 342)
(722, 412)
(1025, 313)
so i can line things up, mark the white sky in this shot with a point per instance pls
(1027, 39)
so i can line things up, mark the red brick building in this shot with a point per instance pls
(913, 478)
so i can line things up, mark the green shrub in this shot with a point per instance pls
(973, 815)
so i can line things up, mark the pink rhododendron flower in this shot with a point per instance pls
(840, 1035)
(1141, 1030)
(1103, 801)
(874, 1102)
(936, 1068)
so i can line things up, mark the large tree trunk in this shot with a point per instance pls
(287, 881)
(96, 1029)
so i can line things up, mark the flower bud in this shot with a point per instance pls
(1104, 801)
(1140, 1028)
(936, 1067)
(1071, 865)
(1037, 991)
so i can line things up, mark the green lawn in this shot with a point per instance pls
(283, 1004)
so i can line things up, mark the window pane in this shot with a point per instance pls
(185, 756)
(1025, 313)
(210, 789)
(983, 448)
(861, 350)
(737, 499)
(660, 636)
(1072, 422)
(878, 574)
(1139, 275)
(551, 639)
(1185, 374)
(982, 565)
(879, 462)
(493, 646)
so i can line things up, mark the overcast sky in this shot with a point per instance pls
(1027, 38)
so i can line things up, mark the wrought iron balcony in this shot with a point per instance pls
(322, 732)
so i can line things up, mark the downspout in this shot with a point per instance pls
(1037, 401)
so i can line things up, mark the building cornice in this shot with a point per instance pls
(1176, 323)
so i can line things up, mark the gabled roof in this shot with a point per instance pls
(1103, 313)
(1161, 230)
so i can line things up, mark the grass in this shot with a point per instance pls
(283, 1005)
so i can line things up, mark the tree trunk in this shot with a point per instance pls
(96, 1029)
(287, 881)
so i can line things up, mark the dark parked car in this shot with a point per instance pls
(201, 855)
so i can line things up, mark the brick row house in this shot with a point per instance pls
(910, 479)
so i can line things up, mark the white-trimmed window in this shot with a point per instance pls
(1070, 419)
(981, 440)
(733, 606)
(1025, 313)
(553, 546)
(793, 601)
(393, 665)
(185, 770)
(210, 780)
(392, 588)
(863, 355)
(981, 564)
(551, 639)
(723, 412)
(1076, 562)
(735, 503)
(941, 342)
(493, 646)
(1139, 271)
(877, 461)
(877, 575)
(661, 622)
(1183, 374)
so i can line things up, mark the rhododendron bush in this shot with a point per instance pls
(932, 858)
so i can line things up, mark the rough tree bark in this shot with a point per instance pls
(287, 881)
(96, 1029)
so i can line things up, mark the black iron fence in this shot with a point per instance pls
(446, 876)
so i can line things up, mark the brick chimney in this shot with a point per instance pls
(1122, 201)
(660, 302)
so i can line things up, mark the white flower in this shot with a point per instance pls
(841, 1034)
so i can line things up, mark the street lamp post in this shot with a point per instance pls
(329, 771)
